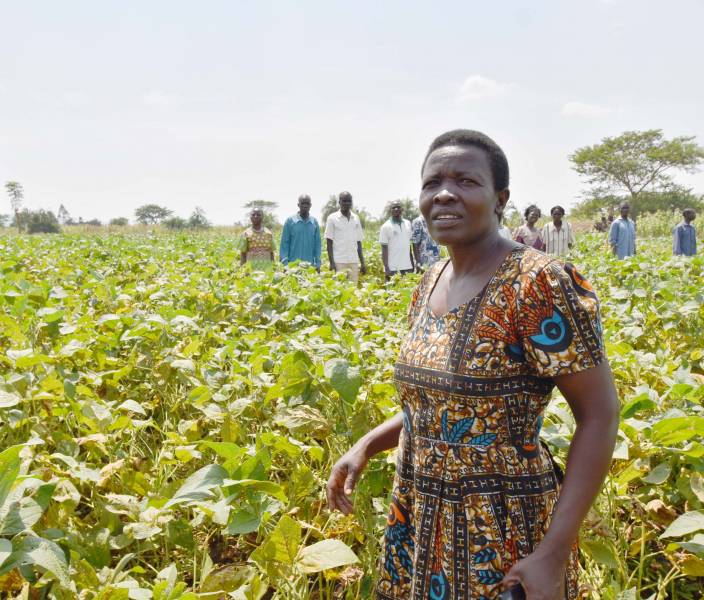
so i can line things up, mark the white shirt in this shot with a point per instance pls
(557, 241)
(344, 233)
(397, 236)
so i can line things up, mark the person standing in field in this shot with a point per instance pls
(684, 236)
(395, 239)
(557, 236)
(300, 238)
(425, 251)
(478, 503)
(257, 246)
(527, 234)
(622, 235)
(343, 234)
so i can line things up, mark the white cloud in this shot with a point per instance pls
(476, 87)
(584, 110)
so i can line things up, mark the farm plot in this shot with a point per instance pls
(169, 422)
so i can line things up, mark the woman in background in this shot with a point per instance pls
(257, 246)
(528, 234)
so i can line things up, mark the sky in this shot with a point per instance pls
(106, 106)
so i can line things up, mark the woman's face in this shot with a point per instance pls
(256, 218)
(533, 216)
(458, 199)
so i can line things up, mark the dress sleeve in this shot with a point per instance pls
(558, 322)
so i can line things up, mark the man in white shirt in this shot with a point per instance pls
(343, 234)
(557, 236)
(395, 239)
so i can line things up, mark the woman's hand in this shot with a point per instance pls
(542, 576)
(343, 478)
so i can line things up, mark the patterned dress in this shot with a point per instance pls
(258, 246)
(474, 488)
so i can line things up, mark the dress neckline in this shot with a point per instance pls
(480, 294)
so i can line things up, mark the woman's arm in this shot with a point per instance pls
(592, 397)
(346, 472)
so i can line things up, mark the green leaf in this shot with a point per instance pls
(9, 399)
(245, 520)
(326, 554)
(5, 550)
(199, 485)
(697, 484)
(659, 474)
(600, 551)
(689, 522)
(281, 546)
(9, 470)
(45, 554)
(344, 378)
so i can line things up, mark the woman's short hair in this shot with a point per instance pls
(476, 139)
(558, 207)
(530, 208)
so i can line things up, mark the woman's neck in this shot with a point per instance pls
(475, 258)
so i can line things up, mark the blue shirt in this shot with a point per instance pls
(300, 240)
(429, 250)
(684, 240)
(622, 236)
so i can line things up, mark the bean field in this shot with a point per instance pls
(169, 419)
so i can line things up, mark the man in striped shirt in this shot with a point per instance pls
(557, 236)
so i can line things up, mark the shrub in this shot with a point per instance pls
(119, 221)
(39, 221)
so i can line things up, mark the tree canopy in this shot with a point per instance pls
(151, 214)
(635, 162)
(268, 207)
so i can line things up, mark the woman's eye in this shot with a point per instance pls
(429, 183)
(468, 181)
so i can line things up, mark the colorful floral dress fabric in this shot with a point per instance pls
(258, 246)
(474, 488)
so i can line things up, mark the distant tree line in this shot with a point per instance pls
(636, 166)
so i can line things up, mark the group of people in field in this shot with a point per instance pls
(407, 246)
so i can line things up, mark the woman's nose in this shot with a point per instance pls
(444, 195)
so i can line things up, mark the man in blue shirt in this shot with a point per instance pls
(684, 236)
(300, 239)
(622, 235)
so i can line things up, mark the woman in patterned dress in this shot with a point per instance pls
(257, 243)
(528, 234)
(475, 507)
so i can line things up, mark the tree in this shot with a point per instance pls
(329, 207)
(38, 221)
(16, 194)
(3, 220)
(268, 207)
(175, 223)
(94, 223)
(198, 220)
(119, 221)
(635, 162)
(674, 198)
(63, 216)
(410, 209)
(151, 214)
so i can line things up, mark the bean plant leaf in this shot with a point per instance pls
(687, 523)
(199, 486)
(45, 554)
(326, 554)
(344, 378)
